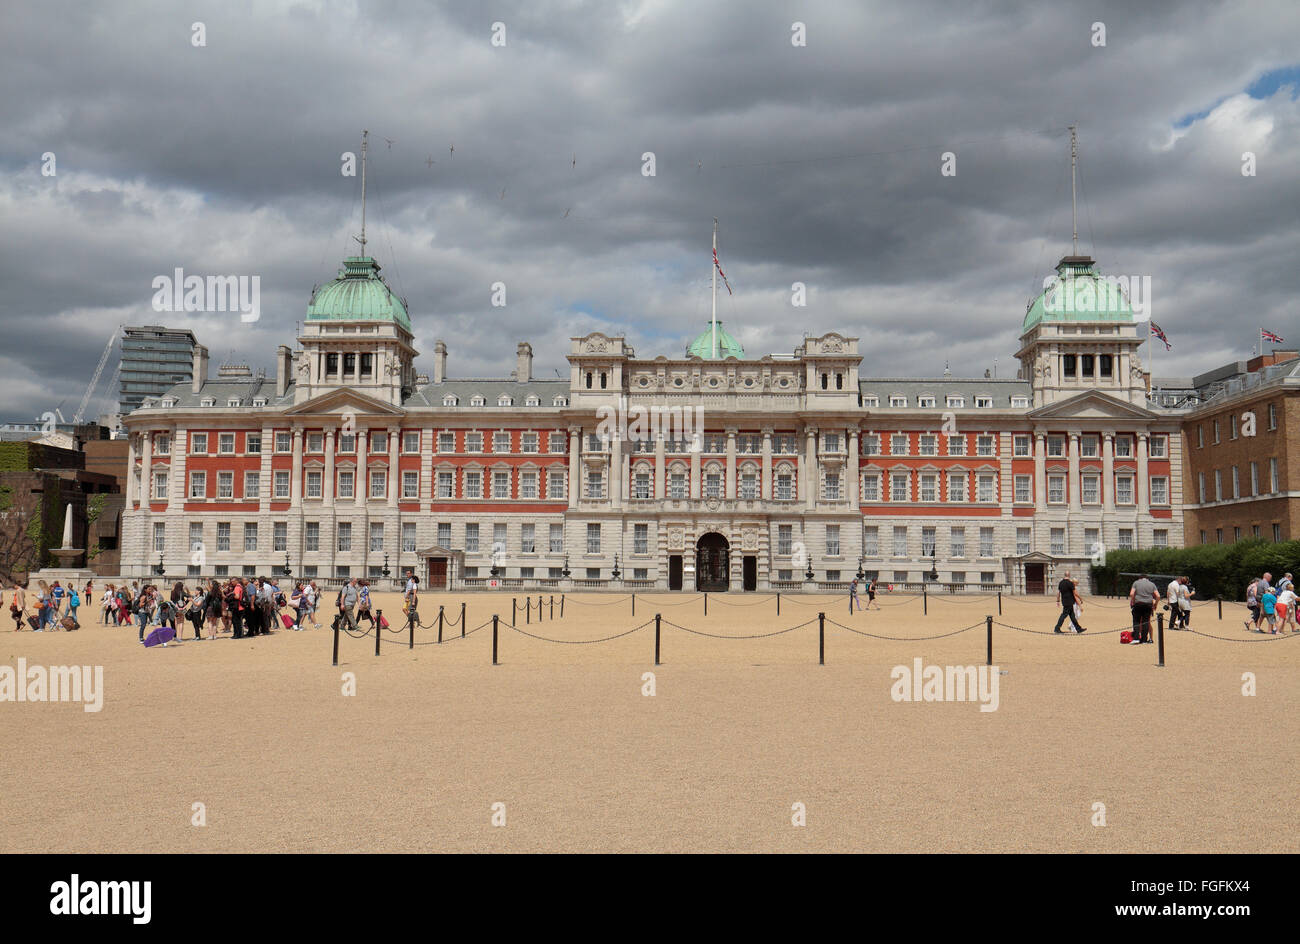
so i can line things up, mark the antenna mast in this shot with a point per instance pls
(362, 238)
(1074, 206)
(715, 288)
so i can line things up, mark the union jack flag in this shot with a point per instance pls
(1155, 329)
(1266, 335)
(720, 272)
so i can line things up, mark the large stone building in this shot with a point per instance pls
(711, 470)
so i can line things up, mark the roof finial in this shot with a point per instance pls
(1074, 162)
(362, 238)
(946, 371)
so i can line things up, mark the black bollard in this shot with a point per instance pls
(925, 601)
(706, 603)
(634, 603)
(1219, 600)
(850, 603)
(513, 606)
(539, 607)
(411, 617)
(999, 608)
(528, 610)
(378, 633)
(778, 603)
(494, 639)
(336, 643)
(552, 608)
(561, 606)
(656, 639)
(988, 626)
(440, 624)
(462, 621)
(1160, 638)
(821, 638)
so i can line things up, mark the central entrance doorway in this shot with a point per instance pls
(712, 562)
(1035, 581)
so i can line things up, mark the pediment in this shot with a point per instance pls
(1091, 405)
(344, 401)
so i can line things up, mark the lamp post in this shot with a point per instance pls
(287, 571)
(934, 570)
(564, 572)
(159, 568)
(614, 574)
(386, 571)
(808, 575)
(861, 574)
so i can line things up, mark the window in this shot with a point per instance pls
(1023, 492)
(871, 487)
(196, 535)
(1272, 424)
(378, 483)
(281, 482)
(900, 540)
(871, 541)
(595, 484)
(376, 535)
(447, 483)
(870, 444)
(748, 485)
(1056, 446)
(1056, 489)
(1158, 446)
(411, 441)
(956, 486)
(1272, 476)
(929, 445)
(593, 538)
(1091, 489)
(283, 442)
(1069, 365)
(1058, 541)
(346, 480)
(471, 537)
(830, 442)
(712, 484)
(925, 403)
(556, 442)
(929, 487)
(985, 445)
(956, 445)
(557, 484)
(1126, 539)
(501, 441)
(311, 536)
(253, 444)
(1236, 483)
(474, 442)
(280, 536)
(871, 400)
(1254, 532)
(1254, 479)
(1091, 540)
(528, 442)
(473, 484)
(986, 541)
(784, 538)
(987, 487)
(557, 538)
(984, 403)
(252, 485)
(225, 484)
(223, 535)
(198, 443)
(1200, 483)
(1023, 543)
(957, 543)
(410, 484)
(1277, 528)
(160, 486)
(1218, 485)
(347, 443)
(1123, 489)
(832, 540)
(159, 536)
(446, 441)
(314, 483)
(225, 444)
(1020, 446)
(1123, 447)
(162, 444)
(527, 484)
(315, 442)
(1236, 532)
(1200, 440)
(898, 444)
(378, 443)
(640, 539)
(250, 536)
(528, 538)
(784, 487)
(677, 485)
(500, 484)
(408, 537)
(832, 486)
(198, 485)
(898, 490)
(1088, 446)
(927, 541)
(1019, 403)
(956, 403)
(898, 402)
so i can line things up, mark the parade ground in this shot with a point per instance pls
(257, 745)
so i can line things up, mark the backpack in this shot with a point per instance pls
(74, 600)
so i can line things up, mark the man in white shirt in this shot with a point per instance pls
(1171, 600)
(1185, 594)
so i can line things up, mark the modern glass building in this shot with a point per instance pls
(154, 359)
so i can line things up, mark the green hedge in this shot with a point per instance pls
(1214, 569)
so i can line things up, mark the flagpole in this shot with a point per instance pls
(715, 288)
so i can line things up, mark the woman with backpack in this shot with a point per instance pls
(74, 601)
(363, 604)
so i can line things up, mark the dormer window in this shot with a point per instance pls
(259, 401)
(232, 402)
(560, 401)
(898, 401)
(871, 401)
(450, 400)
(208, 401)
(533, 401)
(983, 403)
(476, 400)
(505, 400)
(956, 403)
(168, 403)
(1019, 403)
(925, 403)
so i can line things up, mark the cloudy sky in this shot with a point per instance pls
(821, 161)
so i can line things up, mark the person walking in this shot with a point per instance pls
(1067, 595)
(871, 594)
(74, 603)
(313, 598)
(1185, 594)
(853, 595)
(42, 606)
(347, 604)
(235, 607)
(18, 606)
(1268, 603)
(363, 604)
(1142, 600)
(1285, 607)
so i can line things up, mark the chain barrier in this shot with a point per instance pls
(719, 599)
(700, 632)
(580, 642)
(1268, 637)
(818, 601)
(650, 599)
(606, 603)
(955, 632)
(1048, 632)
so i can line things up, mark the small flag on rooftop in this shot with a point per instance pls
(1266, 335)
(720, 272)
(1155, 329)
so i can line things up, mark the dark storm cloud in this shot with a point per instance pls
(822, 164)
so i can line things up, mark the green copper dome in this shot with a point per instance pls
(727, 345)
(1078, 293)
(358, 294)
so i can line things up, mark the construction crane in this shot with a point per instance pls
(94, 379)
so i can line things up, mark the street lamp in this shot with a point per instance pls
(934, 570)
(287, 571)
(386, 571)
(808, 575)
(615, 571)
(861, 572)
(158, 568)
(564, 572)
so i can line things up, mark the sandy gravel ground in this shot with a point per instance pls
(260, 733)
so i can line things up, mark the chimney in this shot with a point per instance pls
(200, 368)
(524, 362)
(283, 369)
(439, 362)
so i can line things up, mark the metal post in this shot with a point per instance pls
(656, 639)
(634, 603)
(440, 624)
(539, 607)
(336, 643)
(494, 639)
(1160, 637)
(514, 603)
(999, 606)
(561, 606)
(552, 607)
(462, 621)
(378, 631)
(410, 619)
(850, 604)
(706, 603)
(778, 603)
(1219, 600)
(925, 600)
(821, 638)
(528, 610)
(988, 627)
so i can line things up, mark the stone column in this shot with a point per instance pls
(327, 483)
(1075, 483)
(1142, 493)
(808, 470)
(730, 491)
(575, 465)
(130, 470)
(766, 483)
(695, 467)
(854, 472)
(616, 474)
(1108, 473)
(146, 473)
(660, 491)
(361, 475)
(295, 482)
(1040, 472)
(394, 473)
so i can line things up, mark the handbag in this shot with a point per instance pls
(1126, 636)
